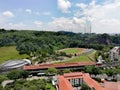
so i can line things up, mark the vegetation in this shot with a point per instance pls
(85, 87)
(10, 53)
(88, 57)
(92, 70)
(35, 43)
(22, 84)
(72, 50)
(16, 74)
(2, 78)
(51, 71)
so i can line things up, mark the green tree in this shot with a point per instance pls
(66, 71)
(24, 74)
(1, 88)
(15, 74)
(51, 71)
(85, 87)
(92, 70)
(2, 78)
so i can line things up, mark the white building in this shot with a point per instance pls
(114, 53)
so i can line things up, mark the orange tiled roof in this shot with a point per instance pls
(92, 83)
(86, 78)
(64, 84)
(45, 66)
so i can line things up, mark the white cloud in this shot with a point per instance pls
(46, 13)
(18, 26)
(38, 23)
(104, 17)
(8, 14)
(64, 5)
(28, 11)
(37, 13)
(81, 5)
(62, 23)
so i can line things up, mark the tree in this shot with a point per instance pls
(1, 88)
(92, 70)
(51, 71)
(85, 87)
(16, 74)
(24, 74)
(66, 71)
(2, 78)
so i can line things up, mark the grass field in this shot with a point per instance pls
(81, 58)
(10, 53)
(72, 50)
(92, 55)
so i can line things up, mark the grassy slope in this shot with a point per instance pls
(72, 50)
(81, 58)
(92, 55)
(10, 53)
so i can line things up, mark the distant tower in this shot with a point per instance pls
(88, 27)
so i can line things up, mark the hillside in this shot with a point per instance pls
(10, 53)
(43, 44)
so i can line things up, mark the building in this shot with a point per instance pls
(74, 81)
(114, 53)
(13, 64)
(40, 68)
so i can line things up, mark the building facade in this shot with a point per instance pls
(114, 53)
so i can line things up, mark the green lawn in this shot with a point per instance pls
(10, 53)
(92, 55)
(71, 50)
(81, 58)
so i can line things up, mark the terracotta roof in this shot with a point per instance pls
(86, 78)
(111, 85)
(64, 84)
(92, 83)
(45, 66)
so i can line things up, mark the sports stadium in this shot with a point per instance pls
(13, 64)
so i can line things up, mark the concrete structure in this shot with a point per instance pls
(40, 68)
(114, 53)
(13, 64)
(74, 81)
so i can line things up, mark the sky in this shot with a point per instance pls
(99, 16)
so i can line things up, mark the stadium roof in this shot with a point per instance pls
(45, 66)
(12, 64)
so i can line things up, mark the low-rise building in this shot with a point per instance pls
(74, 81)
(114, 53)
(41, 68)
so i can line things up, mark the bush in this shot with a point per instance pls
(97, 79)
(2, 78)
(1, 88)
(16, 74)
(85, 87)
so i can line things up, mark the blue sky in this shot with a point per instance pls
(56, 15)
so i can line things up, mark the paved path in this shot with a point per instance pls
(4, 83)
(35, 78)
(111, 85)
(118, 85)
